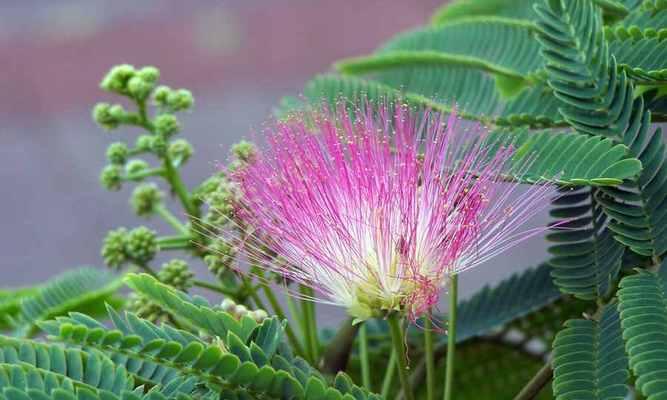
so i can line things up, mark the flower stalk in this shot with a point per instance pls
(398, 342)
(363, 356)
(429, 356)
(451, 337)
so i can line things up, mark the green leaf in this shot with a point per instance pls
(651, 15)
(641, 53)
(453, 11)
(200, 313)
(85, 289)
(553, 156)
(514, 50)
(86, 368)
(586, 259)
(643, 310)
(589, 360)
(600, 100)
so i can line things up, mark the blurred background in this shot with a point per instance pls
(239, 57)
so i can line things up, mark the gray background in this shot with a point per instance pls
(238, 57)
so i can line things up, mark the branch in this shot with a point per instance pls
(535, 386)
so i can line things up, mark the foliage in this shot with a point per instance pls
(575, 86)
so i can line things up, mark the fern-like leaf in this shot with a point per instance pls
(91, 369)
(643, 310)
(598, 99)
(85, 289)
(589, 360)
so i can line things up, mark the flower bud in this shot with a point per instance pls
(141, 244)
(145, 198)
(139, 88)
(179, 151)
(117, 153)
(134, 167)
(221, 257)
(102, 116)
(180, 100)
(117, 78)
(118, 112)
(159, 145)
(144, 142)
(113, 248)
(177, 274)
(160, 95)
(258, 315)
(166, 125)
(149, 74)
(228, 305)
(111, 177)
(240, 311)
(244, 151)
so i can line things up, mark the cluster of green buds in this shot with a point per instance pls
(209, 206)
(177, 273)
(140, 86)
(220, 258)
(136, 246)
(239, 311)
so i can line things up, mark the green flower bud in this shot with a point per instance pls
(207, 187)
(258, 315)
(144, 142)
(221, 204)
(139, 88)
(144, 308)
(159, 145)
(228, 305)
(141, 244)
(118, 112)
(134, 167)
(117, 153)
(179, 151)
(113, 248)
(240, 311)
(117, 78)
(149, 74)
(102, 116)
(145, 198)
(160, 95)
(180, 100)
(177, 274)
(244, 151)
(166, 125)
(111, 177)
(222, 255)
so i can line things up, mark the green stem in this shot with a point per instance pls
(174, 178)
(144, 174)
(363, 355)
(308, 308)
(428, 354)
(451, 337)
(277, 308)
(399, 347)
(174, 242)
(171, 219)
(170, 173)
(249, 290)
(389, 375)
(296, 315)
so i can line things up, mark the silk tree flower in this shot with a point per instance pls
(376, 212)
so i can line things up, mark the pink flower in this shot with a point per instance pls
(376, 212)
